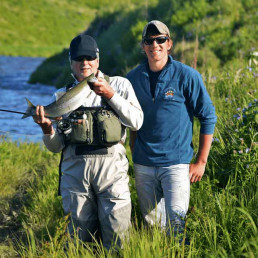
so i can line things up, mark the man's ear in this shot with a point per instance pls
(170, 44)
(70, 60)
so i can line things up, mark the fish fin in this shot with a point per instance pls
(29, 104)
(25, 116)
(29, 108)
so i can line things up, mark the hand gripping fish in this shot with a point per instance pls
(70, 101)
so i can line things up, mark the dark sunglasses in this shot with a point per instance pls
(159, 40)
(82, 58)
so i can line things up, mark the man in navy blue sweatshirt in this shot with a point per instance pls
(171, 94)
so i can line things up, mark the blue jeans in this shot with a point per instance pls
(163, 194)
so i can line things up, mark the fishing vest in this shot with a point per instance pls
(91, 129)
(92, 126)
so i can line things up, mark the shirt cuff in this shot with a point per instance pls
(114, 100)
(207, 129)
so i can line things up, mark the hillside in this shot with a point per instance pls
(206, 34)
(44, 28)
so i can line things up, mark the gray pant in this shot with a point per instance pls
(164, 194)
(95, 191)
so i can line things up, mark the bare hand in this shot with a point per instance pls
(196, 172)
(103, 89)
(44, 122)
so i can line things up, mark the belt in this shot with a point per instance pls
(91, 150)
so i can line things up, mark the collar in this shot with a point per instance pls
(100, 74)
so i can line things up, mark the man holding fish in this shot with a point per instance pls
(94, 180)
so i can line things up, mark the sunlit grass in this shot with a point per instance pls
(222, 219)
(44, 28)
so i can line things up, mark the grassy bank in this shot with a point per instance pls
(205, 34)
(222, 219)
(22, 167)
(45, 28)
(40, 28)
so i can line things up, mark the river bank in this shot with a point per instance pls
(222, 219)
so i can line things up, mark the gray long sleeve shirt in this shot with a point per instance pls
(124, 103)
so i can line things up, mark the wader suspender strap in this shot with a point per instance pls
(62, 154)
(60, 173)
(67, 87)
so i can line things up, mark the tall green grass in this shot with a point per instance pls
(222, 219)
(22, 165)
(44, 28)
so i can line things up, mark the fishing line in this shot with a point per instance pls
(6, 132)
(11, 111)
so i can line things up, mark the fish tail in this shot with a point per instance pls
(29, 109)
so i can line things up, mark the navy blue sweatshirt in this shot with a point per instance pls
(180, 95)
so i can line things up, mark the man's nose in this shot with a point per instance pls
(85, 60)
(155, 44)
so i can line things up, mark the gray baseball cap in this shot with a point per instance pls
(160, 27)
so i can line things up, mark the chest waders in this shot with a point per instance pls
(91, 129)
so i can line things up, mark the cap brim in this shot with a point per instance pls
(84, 53)
(159, 27)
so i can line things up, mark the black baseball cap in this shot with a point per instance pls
(83, 45)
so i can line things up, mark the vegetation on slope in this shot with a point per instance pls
(206, 33)
(44, 28)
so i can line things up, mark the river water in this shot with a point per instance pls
(14, 74)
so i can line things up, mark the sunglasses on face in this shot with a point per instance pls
(159, 40)
(82, 58)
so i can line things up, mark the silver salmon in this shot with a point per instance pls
(70, 101)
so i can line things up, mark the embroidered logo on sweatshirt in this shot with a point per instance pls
(169, 94)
